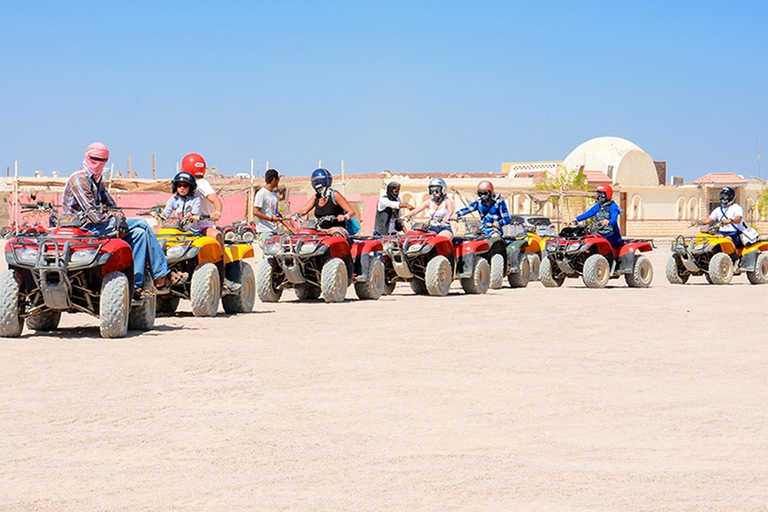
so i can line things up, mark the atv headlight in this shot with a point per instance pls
(26, 254)
(175, 252)
(308, 248)
(83, 256)
(272, 247)
(414, 248)
(573, 248)
(700, 247)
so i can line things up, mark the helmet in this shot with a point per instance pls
(605, 190)
(321, 180)
(485, 190)
(727, 195)
(437, 186)
(184, 177)
(194, 164)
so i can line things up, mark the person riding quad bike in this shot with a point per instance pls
(728, 247)
(606, 214)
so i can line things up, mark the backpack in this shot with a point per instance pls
(351, 225)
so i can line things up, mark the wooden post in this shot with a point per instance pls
(343, 182)
(15, 210)
(128, 172)
(154, 167)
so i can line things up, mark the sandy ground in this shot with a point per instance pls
(528, 399)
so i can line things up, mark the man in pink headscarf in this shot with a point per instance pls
(85, 190)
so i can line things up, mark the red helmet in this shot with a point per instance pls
(485, 185)
(607, 190)
(194, 164)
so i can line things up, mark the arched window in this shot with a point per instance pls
(750, 212)
(680, 208)
(523, 204)
(636, 208)
(693, 208)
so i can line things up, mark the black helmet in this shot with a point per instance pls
(727, 195)
(184, 177)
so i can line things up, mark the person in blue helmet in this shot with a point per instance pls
(327, 202)
(606, 214)
(729, 214)
(493, 211)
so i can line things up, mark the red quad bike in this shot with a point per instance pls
(71, 270)
(576, 251)
(314, 261)
(430, 262)
(240, 230)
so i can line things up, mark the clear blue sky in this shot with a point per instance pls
(411, 86)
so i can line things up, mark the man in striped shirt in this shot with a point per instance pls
(85, 190)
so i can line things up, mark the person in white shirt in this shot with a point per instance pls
(730, 216)
(388, 211)
(265, 208)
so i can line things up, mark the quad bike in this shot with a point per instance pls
(579, 252)
(314, 261)
(75, 271)
(200, 256)
(515, 257)
(717, 258)
(240, 231)
(430, 262)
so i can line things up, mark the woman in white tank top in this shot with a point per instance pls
(440, 208)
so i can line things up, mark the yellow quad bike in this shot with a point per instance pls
(200, 256)
(717, 258)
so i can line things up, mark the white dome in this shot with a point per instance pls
(631, 165)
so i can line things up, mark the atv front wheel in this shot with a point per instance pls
(439, 276)
(418, 286)
(596, 271)
(47, 321)
(307, 291)
(498, 269)
(389, 287)
(720, 269)
(760, 274)
(333, 280)
(534, 262)
(242, 300)
(520, 278)
(10, 304)
(478, 283)
(674, 275)
(373, 286)
(642, 273)
(265, 283)
(547, 274)
(114, 306)
(205, 290)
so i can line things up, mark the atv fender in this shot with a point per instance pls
(363, 253)
(748, 261)
(122, 257)
(443, 246)
(514, 253)
(210, 250)
(338, 247)
(237, 252)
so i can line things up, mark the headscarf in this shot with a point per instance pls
(96, 150)
(392, 187)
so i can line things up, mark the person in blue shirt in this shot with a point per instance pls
(491, 207)
(184, 202)
(606, 214)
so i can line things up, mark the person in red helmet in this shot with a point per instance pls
(210, 203)
(606, 214)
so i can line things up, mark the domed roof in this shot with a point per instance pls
(623, 161)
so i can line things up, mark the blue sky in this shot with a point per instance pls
(411, 86)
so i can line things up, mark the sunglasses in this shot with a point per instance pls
(435, 190)
(97, 159)
(179, 185)
(484, 193)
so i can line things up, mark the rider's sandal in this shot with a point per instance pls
(141, 293)
(172, 279)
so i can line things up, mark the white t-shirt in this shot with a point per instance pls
(204, 189)
(731, 213)
(384, 203)
(267, 202)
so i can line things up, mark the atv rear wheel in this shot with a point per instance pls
(114, 305)
(760, 274)
(642, 273)
(389, 287)
(205, 290)
(596, 271)
(265, 283)
(498, 269)
(307, 291)
(418, 286)
(478, 283)
(142, 315)
(547, 274)
(439, 276)
(373, 286)
(520, 278)
(248, 236)
(167, 304)
(241, 301)
(534, 262)
(673, 272)
(721, 268)
(47, 321)
(230, 236)
(10, 304)
(333, 280)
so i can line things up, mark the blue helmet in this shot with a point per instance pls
(321, 180)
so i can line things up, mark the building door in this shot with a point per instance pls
(623, 218)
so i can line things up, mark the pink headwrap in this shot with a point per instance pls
(96, 150)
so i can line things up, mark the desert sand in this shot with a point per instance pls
(530, 399)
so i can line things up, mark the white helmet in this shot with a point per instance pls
(437, 186)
